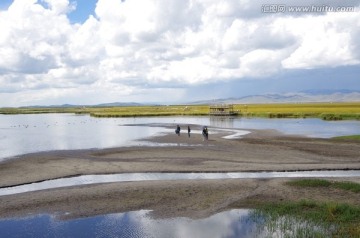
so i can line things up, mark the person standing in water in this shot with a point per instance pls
(189, 130)
(204, 131)
(177, 131)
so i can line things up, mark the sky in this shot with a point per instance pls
(88, 52)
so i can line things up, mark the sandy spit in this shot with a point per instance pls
(258, 151)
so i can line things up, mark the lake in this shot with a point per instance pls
(21, 134)
(28, 133)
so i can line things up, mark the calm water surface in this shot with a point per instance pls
(21, 134)
(234, 223)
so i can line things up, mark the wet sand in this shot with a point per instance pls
(258, 151)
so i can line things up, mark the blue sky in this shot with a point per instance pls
(170, 51)
(84, 8)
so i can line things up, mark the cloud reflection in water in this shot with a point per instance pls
(234, 223)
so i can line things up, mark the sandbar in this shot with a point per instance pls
(259, 150)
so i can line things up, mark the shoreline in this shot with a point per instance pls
(261, 150)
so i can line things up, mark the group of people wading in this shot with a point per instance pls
(205, 132)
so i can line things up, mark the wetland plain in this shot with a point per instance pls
(263, 149)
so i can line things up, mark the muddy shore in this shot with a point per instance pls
(258, 151)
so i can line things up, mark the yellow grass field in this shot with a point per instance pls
(326, 111)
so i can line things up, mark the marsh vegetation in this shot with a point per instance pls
(325, 111)
(310, 218)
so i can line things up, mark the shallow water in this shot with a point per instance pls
(245, 223)
(128, 177)
(234, 223)
(21, 134)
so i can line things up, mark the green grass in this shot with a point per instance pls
(354, 187)
(310, 183)
(325, 111)
(310, 219)
(351, 137)
(349, 186)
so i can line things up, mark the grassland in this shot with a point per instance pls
(350, 137)
(350, 186)
(325, 111)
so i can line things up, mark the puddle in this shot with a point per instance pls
(130, 177)
(236, 133)
(234, 223)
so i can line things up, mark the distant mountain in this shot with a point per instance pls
(118, 104)
(310, 96)
(328, 91)
(113, 104)
(52, 106)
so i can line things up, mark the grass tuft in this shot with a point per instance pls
(348, 186)
(310, 219)
(351, 137)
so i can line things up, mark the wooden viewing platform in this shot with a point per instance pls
(222, 110)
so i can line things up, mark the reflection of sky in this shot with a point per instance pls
(311, 127)
(234, 223)
(20, 134)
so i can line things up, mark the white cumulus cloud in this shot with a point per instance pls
(132, 46)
